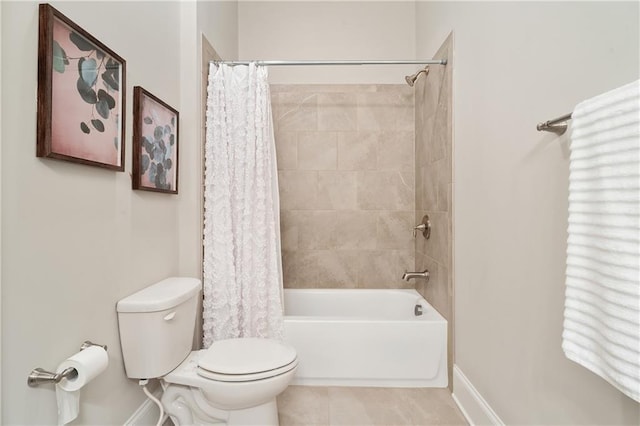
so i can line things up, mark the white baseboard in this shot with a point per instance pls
(147, 414)
(473, 406)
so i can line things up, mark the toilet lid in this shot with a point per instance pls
(247, 377)
(246, 356)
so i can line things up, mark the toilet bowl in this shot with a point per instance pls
(234, 381)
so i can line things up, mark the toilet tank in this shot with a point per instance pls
(156, 326)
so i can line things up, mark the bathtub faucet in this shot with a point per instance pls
(410, 275)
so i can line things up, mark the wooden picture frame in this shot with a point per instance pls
(81, 95)
(155, 143)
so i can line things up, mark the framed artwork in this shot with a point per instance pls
(81, 95)
(155, 143)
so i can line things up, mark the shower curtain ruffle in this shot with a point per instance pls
(242, 264)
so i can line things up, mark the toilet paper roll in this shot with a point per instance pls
(88, 364)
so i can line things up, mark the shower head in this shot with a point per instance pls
(411, 79)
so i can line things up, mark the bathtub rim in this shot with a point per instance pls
(432, 314)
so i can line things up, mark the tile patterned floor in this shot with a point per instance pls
(334, 406)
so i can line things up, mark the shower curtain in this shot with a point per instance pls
(242, 265)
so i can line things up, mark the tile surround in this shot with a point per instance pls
(295, 111)
(287, 151)
(386, 110)
(298, 189)
(396, 150)
(337, 111)
(337, 190)
(434, 183)
(317, 151)
(393, 230)
(347, 183)
(358, 150)
(386, 190)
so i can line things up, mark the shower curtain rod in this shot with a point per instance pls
(338, 62)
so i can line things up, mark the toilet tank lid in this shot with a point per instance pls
(165, 294)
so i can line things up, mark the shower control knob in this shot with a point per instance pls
(420, 228)
(424, 227)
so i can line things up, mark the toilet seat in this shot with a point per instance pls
(229, 401)
(246, 377)
(246, 359)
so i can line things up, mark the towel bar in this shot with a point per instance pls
(557, 125)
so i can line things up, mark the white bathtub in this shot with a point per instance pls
(357, 337)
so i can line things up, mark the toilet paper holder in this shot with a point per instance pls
(39, 376)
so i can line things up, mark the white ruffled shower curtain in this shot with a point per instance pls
(242, 264)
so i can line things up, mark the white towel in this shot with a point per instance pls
(602, 306)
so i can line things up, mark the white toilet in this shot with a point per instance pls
(234, 382)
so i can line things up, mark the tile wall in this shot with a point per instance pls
(347, 184)
(434, 185)
(358, 168)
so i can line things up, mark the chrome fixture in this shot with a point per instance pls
(417, 310)
(411, 79)
(87, 343)
(39, 376)
(424, 275)
(338, 62)
(424, 227)
(557, 125)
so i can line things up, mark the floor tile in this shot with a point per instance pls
(354, 406)
(304, 406)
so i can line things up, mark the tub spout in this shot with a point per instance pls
(411, 275)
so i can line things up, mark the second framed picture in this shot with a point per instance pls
(155, 143)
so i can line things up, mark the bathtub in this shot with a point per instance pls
(357, 337)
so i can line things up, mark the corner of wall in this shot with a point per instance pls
(1, 49)
(474, 407)
(188, 222)
(434, 184)
(202, 24)
(147, 413)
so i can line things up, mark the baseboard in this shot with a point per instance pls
(147, 414)
(473, 406)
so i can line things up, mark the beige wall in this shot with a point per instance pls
(216, 21)
(76, 239)
(346, 176)
(203, 24)
(518, 63)
(434, 174)
(315, 30)
(0, 217)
